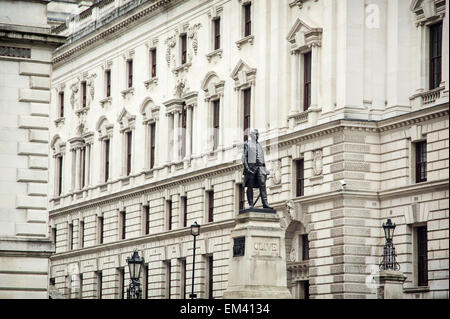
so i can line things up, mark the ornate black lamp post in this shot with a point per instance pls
(389, 255)
(135, 265)
(195, 231)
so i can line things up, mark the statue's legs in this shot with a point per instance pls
(262, 189)
(250, 193)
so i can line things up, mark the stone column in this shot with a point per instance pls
(77, 168)
(221, 122)
(258, 260)
(390, 284)
(176, 136)
(88, 164)
(314, 75)
(252, 106)
(295, 103)
(190, 109)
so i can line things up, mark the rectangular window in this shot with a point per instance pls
(306, 80)
(130, 73)
(210, 277)
(183, 41)
(53, 234)
(435, 54)
(70, 236)
(121, 272)
(306, 289)
(168, 279)
(128, 160)
(108, 82)
(422, 258)
(153, 62)
(61, 104)
(83, 93)
(183, 130)
(183, 278)
(123, 225)
(152, 144)
(247, 101)
(99, 284)
(210, 205)
(421, 161)
(60, 173)
(216, 124)
(241, 196)
(106, 160)
(81, 234)
(247, 20)
(169, 214)
(184, 200)
(145, 269)
(216, 33)
(146, 219)
(100, 229)
(299, 178)
(305, 247)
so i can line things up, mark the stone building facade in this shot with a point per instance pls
(150, 102)
(26, 45)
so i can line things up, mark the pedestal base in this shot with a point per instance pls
(258, 260)
(390, 284)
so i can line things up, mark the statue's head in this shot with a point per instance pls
(254, 134)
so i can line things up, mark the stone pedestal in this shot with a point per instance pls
(258, 259)
(390, 284)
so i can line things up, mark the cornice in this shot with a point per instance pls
(112, 27)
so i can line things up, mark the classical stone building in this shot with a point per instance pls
(26, 45)
(150, 102)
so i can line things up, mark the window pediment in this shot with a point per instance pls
(303, 36)
(104, 127)
(126, 120)
(212, 85)
(426, 10)
(149, 110)
(243, 74)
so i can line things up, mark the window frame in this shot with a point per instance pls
(299, 177)
(246, 109)
(247, 19)
(435, 58)
(183, 48)
(420, 161)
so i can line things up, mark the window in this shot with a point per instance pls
(421, 161)
(184, 200)
(121, 272)
(247, 101)
(81, 234)
(99, 284)
(83, 167)
(168, 279)
(145, 269)
(299, 178)
(210, 205)
(306, 80)
(70, 236)
(241, 196)
(422, 259)
(169, 214)
(183, 278)
(59, 169)
(216, 124)
(183, 130)
(53, 234)
(106, 143)
(247, 20)
(210, 277)
(122, 224)
(130, 73)
(183, 41)
(61, 104)
(152, 144)
(306, 289)
(146, 219)
(100, 229)
(83, 94)
(435, 54)
(153, 63)
(81, 286)
(305, 247)
(108, 82)
(216, 23)
(128, 151)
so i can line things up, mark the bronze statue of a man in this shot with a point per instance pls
(255, 171)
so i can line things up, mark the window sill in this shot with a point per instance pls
(151, 81)
(184, 67)
(127, 91)
(82, 111)
(249, 39)
(214, 53)
(106, 100)
(416, 289)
